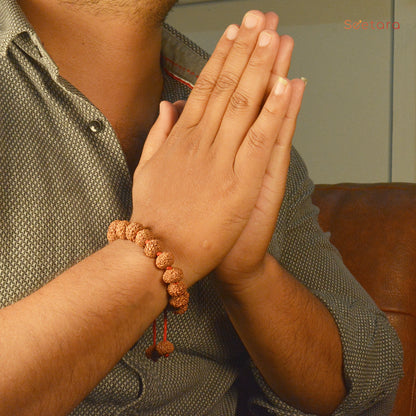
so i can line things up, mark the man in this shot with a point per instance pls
(81, 85)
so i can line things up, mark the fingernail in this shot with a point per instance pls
(232, 32)
(280, 86)
(264, 39)
(304, 80)
(250, 20)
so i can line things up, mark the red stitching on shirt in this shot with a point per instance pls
(180, 66)
(182, 81)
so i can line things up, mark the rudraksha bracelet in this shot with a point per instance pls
(172, 276)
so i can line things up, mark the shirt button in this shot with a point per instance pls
(96, 126)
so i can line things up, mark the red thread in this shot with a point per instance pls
(158, 253)
(169, 268)
(188, 84)
(165, 325)
(154, 333)
(180, 66)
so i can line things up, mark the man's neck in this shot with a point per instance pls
(114, 62)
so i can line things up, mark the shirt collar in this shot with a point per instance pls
(13, 22)
(181, 58)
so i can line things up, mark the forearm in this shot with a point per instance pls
(58, 343)
(291, 337)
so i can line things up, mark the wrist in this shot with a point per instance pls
(171, 242)
(134, 268)
(235, 282)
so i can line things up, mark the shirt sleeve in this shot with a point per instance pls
(372, 353)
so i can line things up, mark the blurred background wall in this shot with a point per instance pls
(358, 120)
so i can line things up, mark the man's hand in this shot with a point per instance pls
(196, 186)
(246, 258)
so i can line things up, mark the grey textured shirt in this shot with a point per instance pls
(64, 178)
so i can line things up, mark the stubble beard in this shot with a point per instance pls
(147, 11)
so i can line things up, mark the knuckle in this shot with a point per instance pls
(242, 46)
(204, 85)
(226, 81)
(290, 118)
(256, 139)
(256, 63)
(239, 101)
(219, 55)
(270, 111)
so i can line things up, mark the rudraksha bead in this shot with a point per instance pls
(151, 248)
(172, 275)
(121, 229)
(179, 301)
(181, 310)
(165, 348)
(176, 289)
(142, 236)
(132, 229)
(164, 260)
(111, 233)
(152, 353)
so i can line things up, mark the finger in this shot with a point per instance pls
(168, 116)
(282, 63)
(284, 57)
(197, 101)
(277, 170)
(254, 153)
(245, 103)
(263, 219)
(272, 21)
(285, 137)
(233, 69)
(274, 182)
(280, 157)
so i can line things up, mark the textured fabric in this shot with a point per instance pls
(64, 178)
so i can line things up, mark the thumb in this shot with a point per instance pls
(168, 116)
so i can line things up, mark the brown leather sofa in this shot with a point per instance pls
(374, 228)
